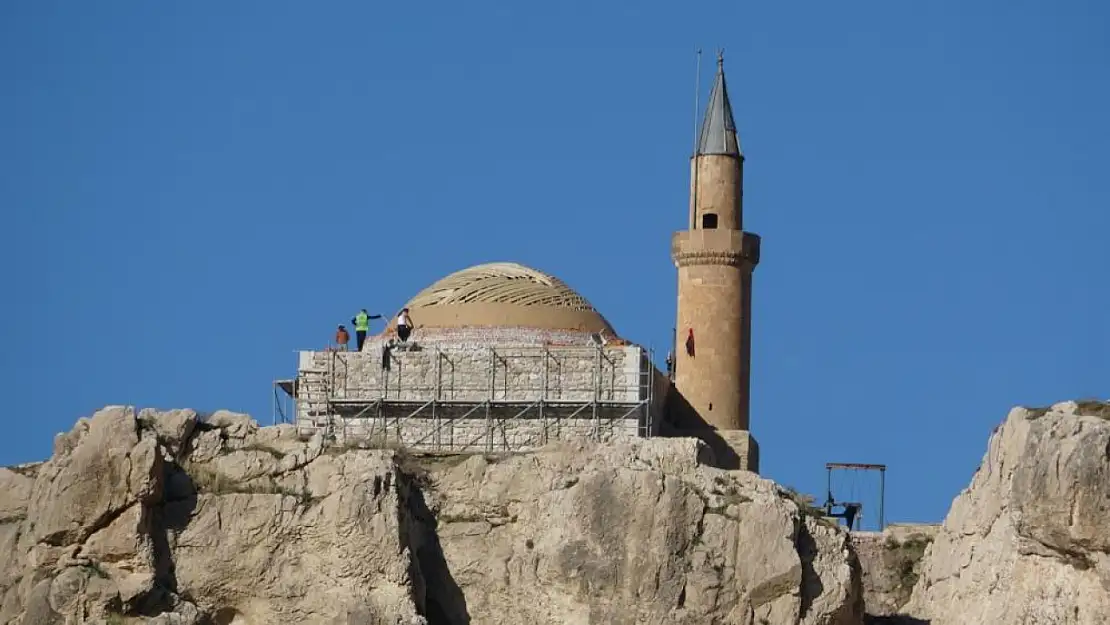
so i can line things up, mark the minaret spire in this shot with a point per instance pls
(718, 128)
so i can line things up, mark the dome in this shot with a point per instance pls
(504, 295)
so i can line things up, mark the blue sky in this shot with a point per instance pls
(192, 191)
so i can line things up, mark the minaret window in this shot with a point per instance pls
(709, 221)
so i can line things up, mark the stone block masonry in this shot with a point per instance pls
(488, 373)
(458, 396)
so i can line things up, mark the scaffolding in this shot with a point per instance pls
(283, 406)
(463, 399)
(853, 510)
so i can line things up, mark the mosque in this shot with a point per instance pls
(507, 358)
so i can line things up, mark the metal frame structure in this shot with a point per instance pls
(283, 407)
(881, 468)
(425, 416)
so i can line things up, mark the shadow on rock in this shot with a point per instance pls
(684, 421)
(178, 505)
(443, 600)
(811, 580)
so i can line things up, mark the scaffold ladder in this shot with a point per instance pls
(313, 395)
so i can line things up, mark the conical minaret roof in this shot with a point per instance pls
(718, 129)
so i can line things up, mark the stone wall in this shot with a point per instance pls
(504, 430)
(423, 372)
(455, 397)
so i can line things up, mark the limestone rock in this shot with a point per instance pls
(234, 424)
(172, 428)
(891, 562)
(16, 484)
(1027, 542)
(172, 519)
(15, 495)
(99, 470)
(259, 526)
(602, 534)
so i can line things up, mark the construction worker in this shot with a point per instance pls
(342, 338)
(850, 512)
(404, 325)
(361, 322)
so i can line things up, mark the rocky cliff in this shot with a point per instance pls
(167, 518)
(173, 519)
(1028, 542)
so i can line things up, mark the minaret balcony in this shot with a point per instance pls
(715, 247)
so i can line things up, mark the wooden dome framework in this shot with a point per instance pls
(501, 283)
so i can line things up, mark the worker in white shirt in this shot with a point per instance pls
(404, 325)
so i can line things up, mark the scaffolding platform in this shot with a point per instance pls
(468, 398)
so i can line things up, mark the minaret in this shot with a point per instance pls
(715, 259)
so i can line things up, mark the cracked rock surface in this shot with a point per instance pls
(176, 519)
(633, 533)
(891, 562)
(1028, 542)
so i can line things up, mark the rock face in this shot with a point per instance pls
(574, 536)
(891, 562)
(1028, 542)
(168, 518)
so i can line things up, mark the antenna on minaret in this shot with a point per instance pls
(697, 92)
(694, 153)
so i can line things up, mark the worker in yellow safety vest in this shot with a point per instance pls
(361, 322)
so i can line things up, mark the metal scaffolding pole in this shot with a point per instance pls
(492, 386)
(882, 497)
(597, 392)
(543, 398)
(650, 373)
(329, 384)
(439, 386)
(464, 415)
